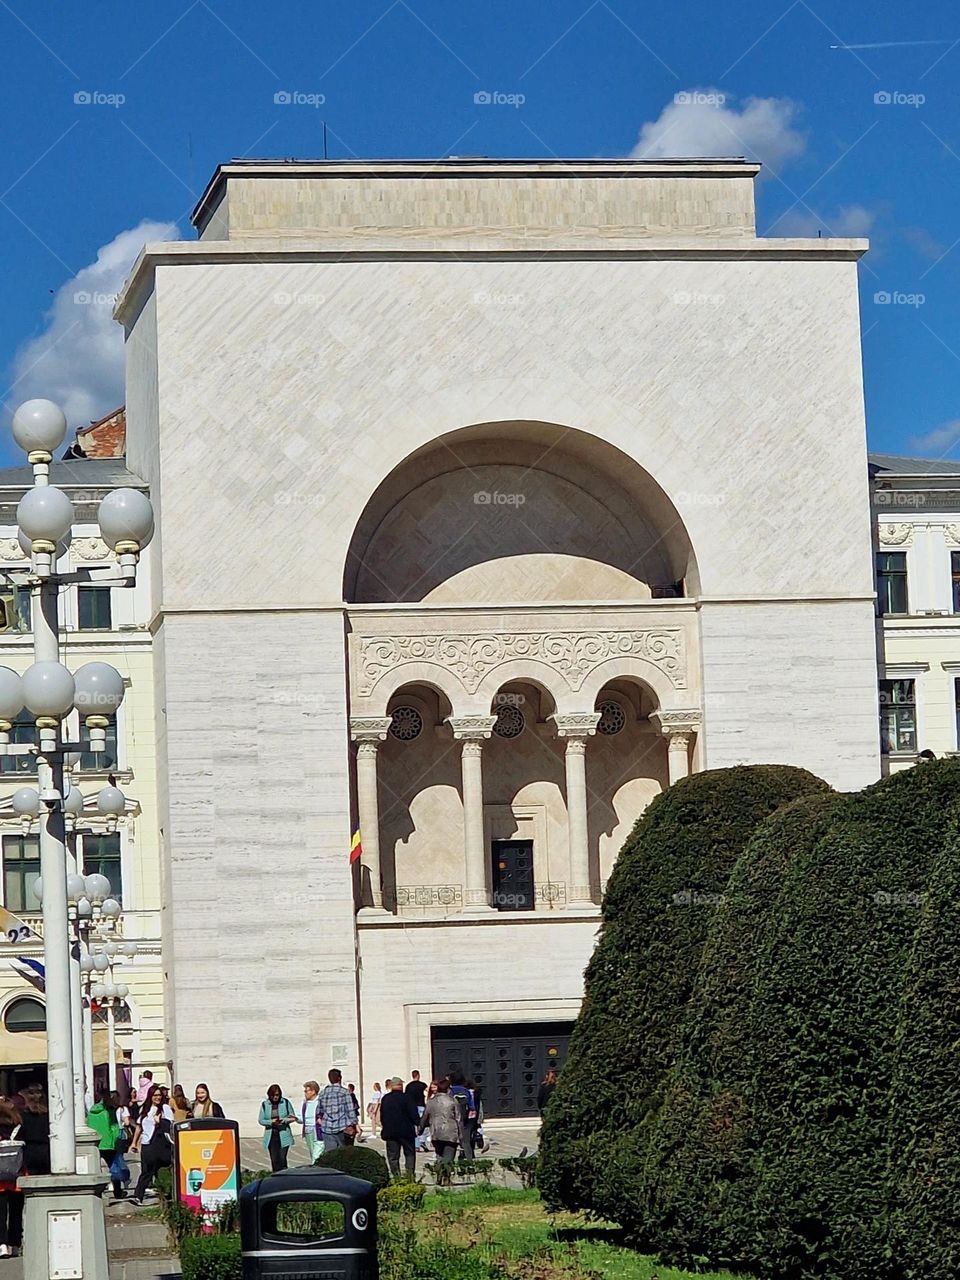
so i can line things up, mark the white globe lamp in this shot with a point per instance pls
(39, 426)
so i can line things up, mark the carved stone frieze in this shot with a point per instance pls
(951, 533)
(89, 549)
(677, 722)
(10, 550)
(575, 653)
(896, 535)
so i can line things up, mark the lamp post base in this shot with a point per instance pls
(64, 1233)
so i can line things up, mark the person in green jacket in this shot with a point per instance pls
(276, 1116)
(105, 1122)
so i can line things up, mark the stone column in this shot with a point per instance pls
(575, 729)
(471, 731)
(679, 728)
(368, 732)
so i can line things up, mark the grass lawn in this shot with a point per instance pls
(514, 1225)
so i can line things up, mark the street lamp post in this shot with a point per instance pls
(63, 1211)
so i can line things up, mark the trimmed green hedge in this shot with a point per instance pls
(658, 907)
(699, 1151)
(924, 1122)
(358, 1162)
(211, 1258)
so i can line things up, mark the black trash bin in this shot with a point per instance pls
(310, 1222)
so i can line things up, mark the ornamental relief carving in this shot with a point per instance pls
(10, 550)
(895, 535)
(573, 654)
(951, 533)
(89, 549)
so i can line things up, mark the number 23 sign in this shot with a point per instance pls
(14, 929)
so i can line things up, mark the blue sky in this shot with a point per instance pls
(115, 115)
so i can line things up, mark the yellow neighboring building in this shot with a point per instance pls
(110, 624)
(917, 541)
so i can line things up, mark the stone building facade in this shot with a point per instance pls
(492, 498)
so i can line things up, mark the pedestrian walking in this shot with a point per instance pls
(545, 1092)
(276, 1116)
(442, 1116)
(358, 1128)
(105, 1122)
(204, 1108)
(339, 1122)
(179, 1105)
(12, 1165)
(373, 1107)
(35, 1130)
(311, 1117)
(460, 1090)
(153, 1138)
(416, 1091)
(398, 1128)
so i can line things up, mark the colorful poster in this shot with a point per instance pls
(207, 1164)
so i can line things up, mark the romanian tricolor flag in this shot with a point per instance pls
(356, 848)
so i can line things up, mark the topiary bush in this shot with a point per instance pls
(699, 1144)
(822, 1032)
(358, 1162)
(924, 1118)
(660, 901)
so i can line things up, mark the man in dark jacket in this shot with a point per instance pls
(398, 1128)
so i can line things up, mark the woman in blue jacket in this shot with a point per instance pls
(276, 1116)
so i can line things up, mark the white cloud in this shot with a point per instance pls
(851, 220)
(78, 360)
(940, 441)
(705, 122)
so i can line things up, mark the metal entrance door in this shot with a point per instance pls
(506, 1066)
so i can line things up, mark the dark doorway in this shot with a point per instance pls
(506, 1062)
(513, 875)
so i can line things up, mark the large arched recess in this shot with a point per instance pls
(515, 512)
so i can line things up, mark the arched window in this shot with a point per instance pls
(25, 1014)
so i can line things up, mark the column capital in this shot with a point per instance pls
(577, 724)
(674, 722)
(471, 728)
(372, 729)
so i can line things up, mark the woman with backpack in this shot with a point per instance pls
(153, 1138)
(11, 1166)
(104, 1119)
